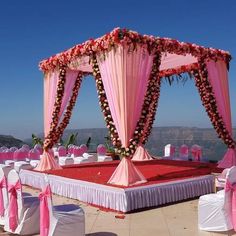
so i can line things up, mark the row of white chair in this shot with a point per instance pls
(20, 212)
(184, 152)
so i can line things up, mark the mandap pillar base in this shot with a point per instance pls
(47, 162)
(126, 174)
(141, 154)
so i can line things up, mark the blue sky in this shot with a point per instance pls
(34, 30)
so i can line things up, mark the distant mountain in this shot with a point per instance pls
(10, 141)
(213, 147)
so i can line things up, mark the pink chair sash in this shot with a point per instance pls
(44, 211)
(13, 205)
(197, 154)
(232, 188)
(3, 184)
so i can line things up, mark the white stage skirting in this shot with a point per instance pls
(119, 199)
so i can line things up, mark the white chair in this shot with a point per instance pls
(64, 220)
(196, 152)
(78, 156)
(220, 180)
(34, 157)
(183, 152)
(89, 157)
(215, 210)
(25, 221)
(4, 170)
(101, 154)
(63, 159)
(169, 151)
(22, 165)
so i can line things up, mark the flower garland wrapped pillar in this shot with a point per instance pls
(122, 88)
(218, 77)
(216, 102)
(67, 84)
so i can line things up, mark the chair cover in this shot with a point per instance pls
(13, 149)
(221, 179)
(22, 213)
(169, 151)
(101, 149)
(22, 165)
(34, 154)
(84, 148)
(65, 161)
(60, 220)
(62, 151)
(215, 210)
(20, 154)
(196, 152)
(101, 154)
(90, 157)
(183, 152)
(4, 170)
(77, 152)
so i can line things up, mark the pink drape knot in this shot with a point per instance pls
(44, 211)
(3, 184)
(13, 205)
(232, 187)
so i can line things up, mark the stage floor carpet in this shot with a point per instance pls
(168, 181)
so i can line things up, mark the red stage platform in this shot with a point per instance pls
(168, 181)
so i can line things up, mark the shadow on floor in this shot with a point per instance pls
(101, 234)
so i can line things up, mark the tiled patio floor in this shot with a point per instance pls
(174, 220)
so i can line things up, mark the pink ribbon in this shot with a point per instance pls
(3, 184)
(13, 205)
(232, 188)
(44, 211)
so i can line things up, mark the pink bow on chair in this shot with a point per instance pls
(44, 211)
(232, 187)
(3, 184)
(13, 205)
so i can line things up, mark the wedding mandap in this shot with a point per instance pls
(128, 69)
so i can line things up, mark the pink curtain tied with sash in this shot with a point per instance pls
(232, 188)
(125, 76)
(48, 162)
(218, 77)
(13, 205)
(44, 211)
(3, 184)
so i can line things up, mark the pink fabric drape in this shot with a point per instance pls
(50, 87)
(44, 211)
(218, 77)
(47, 162)
(3, 184)
(13, 206)
(125, 76)
(141, 154)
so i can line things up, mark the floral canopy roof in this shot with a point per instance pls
(177, 57)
